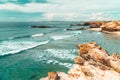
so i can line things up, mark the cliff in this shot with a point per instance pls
(93, 63)
(111, 27)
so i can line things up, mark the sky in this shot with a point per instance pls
(54, 10)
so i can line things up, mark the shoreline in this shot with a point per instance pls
(108, 27)
(117, 33)
(94, 29)
(93, 63)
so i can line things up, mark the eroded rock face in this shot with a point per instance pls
(96, 24)
(111, 26)
(93, 63)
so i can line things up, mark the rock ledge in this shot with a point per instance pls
(93, 63)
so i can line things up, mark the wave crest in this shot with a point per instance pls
(10, 47)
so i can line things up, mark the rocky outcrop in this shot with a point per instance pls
(96, 24)
(111, 26)
(72, 29)
(41, 27)
(76, 24)
(93, 63)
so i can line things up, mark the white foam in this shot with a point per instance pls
(49, 61)
(37, 35)
(11, 38)
(58, 37)
(10, 47)
(66, 64)
(76, 32)
(98, 33)
(55, 56)
(63, 36)
(62, 53)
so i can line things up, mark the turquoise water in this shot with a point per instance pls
(29, 53)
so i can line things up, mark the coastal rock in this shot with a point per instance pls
(111, 26)
(96, 24)
(41, 26)
(76, 24)
(52, 76)
(72, 29)
(105, 25)
(79, 60)
(93, 63)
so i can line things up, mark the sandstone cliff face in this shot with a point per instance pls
(96, 24)
(93, 63)
(110, 26)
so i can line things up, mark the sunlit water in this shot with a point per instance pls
(29, 53)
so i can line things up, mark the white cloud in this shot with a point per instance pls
(75, 16)
(29, 7)
(98, 16)
(7, 0)
(64, 9)
(65, 6)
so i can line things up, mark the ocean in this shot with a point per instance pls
(29, 53)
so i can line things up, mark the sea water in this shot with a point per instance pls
(29, 53)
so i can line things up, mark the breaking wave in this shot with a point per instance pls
(26, 36)
(10, 47)
(37, 35)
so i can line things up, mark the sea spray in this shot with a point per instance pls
(9, 47)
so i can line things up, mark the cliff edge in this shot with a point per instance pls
(93, 63)
(111, 27)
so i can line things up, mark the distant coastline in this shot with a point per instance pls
(109, 27)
